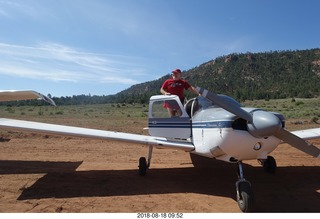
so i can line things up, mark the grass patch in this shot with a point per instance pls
(125, 118)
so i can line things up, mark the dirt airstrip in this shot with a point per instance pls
(57, 174)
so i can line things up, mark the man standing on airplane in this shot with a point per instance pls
(176, 86)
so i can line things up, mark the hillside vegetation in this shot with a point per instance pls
(268, 75)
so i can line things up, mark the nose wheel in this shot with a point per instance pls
(245, 197)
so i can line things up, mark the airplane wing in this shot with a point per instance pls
(308, 134)
(12, 95)
(92, 133)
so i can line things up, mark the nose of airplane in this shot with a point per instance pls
(264, 124)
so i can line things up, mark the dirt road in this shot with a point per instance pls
(53, 174)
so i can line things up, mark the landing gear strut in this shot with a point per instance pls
(144, 164)
(245, 196)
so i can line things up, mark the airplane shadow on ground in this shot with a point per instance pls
(290, 189)
(30, 167)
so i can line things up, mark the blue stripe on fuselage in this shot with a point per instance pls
(169, 125)
(203, 125)
(215, 124)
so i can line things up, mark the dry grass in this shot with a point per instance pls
(113, 117)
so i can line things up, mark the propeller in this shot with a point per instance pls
(261, 123)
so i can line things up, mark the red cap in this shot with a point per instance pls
(176, 71)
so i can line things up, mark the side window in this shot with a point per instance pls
(164, 108)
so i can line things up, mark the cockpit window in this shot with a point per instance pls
(158, 111)
(204, 103)
(166, 109)
(197, 104)
(201, 103)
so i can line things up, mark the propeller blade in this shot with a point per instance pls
(226, 103)
(298, 143)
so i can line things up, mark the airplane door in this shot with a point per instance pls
(163, 123)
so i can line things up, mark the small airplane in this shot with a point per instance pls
(211, 125)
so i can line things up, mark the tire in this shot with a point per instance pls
(245, 198)
(143, 166)
(270, 165)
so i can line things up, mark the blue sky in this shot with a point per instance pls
(67, 47)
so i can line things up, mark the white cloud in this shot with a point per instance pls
(56, 62)
(119, 80)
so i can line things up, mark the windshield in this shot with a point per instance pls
(204, 103)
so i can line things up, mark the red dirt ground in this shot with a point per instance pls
(53, 174)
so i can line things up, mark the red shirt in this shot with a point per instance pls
(176, 87)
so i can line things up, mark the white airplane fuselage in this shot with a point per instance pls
(214, 132)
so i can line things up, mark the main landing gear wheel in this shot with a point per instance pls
(269, 164)
(143, 166)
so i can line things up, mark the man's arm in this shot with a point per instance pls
(164, 92)
(193, 90)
